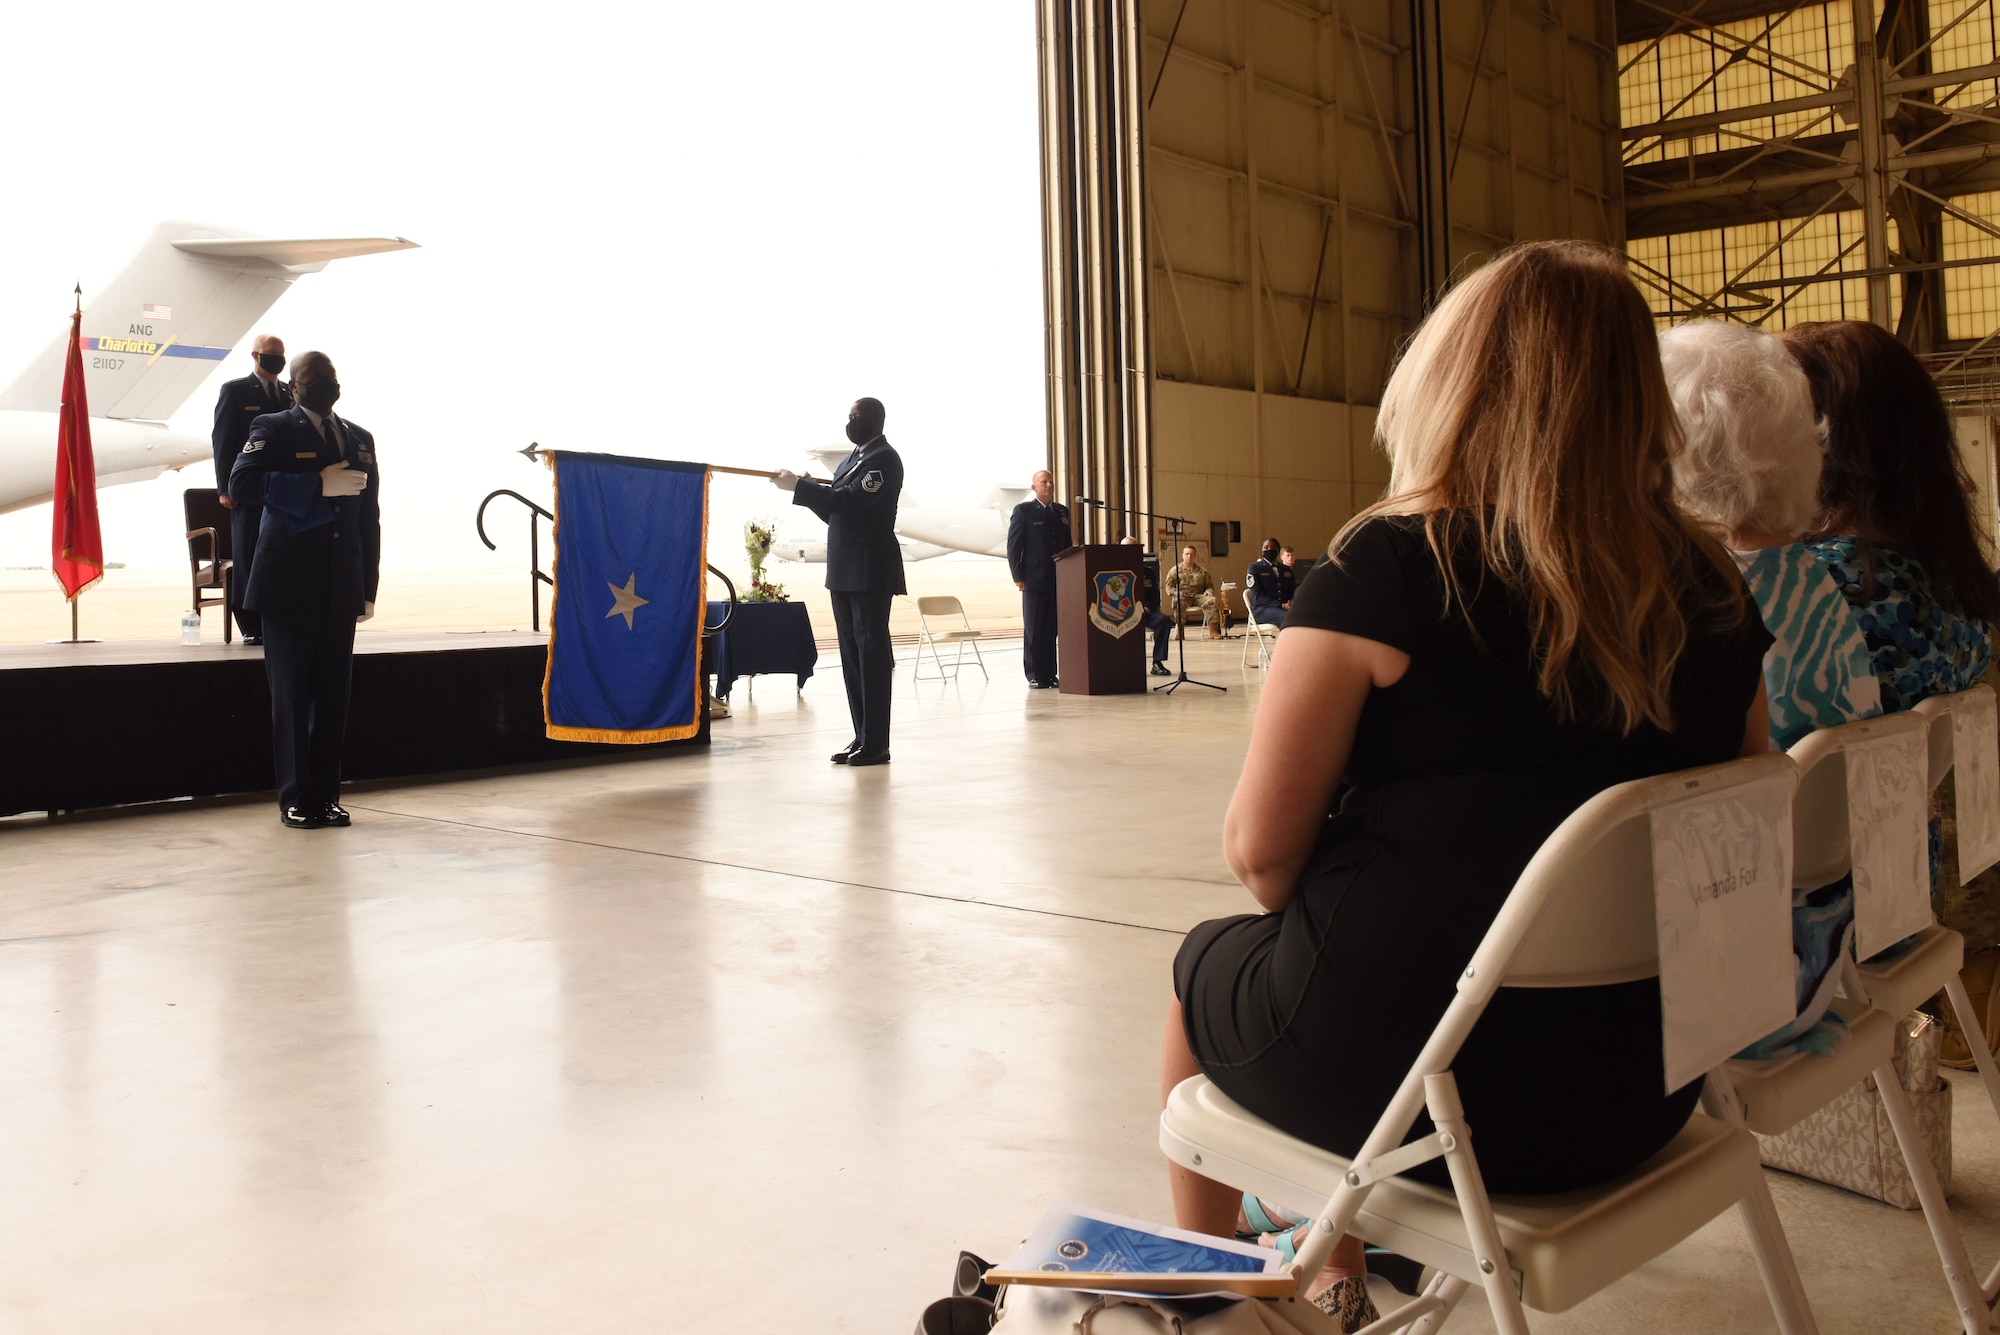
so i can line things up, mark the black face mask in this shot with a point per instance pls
(1271, 555)
(858, 432)
(272, 362)
(320, 395)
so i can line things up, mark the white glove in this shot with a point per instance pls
(340, 480)
(367, 611)
(786, 480)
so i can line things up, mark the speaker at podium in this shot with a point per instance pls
(1100, 620)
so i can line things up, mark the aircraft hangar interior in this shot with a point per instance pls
(1303, 178)
(1568, 899)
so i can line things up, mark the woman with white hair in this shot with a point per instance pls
(1750, 471)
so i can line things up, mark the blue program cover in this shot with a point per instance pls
(1072, 1238)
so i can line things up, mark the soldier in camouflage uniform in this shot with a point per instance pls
(1191, 583)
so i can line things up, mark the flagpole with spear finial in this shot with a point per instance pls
(78, 545)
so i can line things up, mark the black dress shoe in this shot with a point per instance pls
(253, 639)
(301, 818)
(1160, 670)
(336, 814)
(840, 757)
(869, 755)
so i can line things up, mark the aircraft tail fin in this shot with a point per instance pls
(156, 331)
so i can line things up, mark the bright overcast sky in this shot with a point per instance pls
(689, 231)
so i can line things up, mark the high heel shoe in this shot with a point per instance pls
(1346, 1300)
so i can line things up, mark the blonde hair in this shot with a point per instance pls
(1754, 448)
(1529, 413)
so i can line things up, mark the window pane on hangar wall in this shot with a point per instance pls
(1284, 129)
(1807, 52)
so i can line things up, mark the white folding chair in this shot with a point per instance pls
(1775, 1096)
(1263, 636)
(1934, 963)
(927, 638)
(1581, 913)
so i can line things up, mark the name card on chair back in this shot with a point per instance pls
(1975, 751)
(1722, 901)
(1888, 838)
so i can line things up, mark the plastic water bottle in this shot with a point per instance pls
(190, 627)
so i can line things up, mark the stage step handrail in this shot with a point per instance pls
(535, 576)
(728, 616)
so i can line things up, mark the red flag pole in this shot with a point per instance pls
(78, 546)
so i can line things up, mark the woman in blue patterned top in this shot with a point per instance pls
(1750, 469)
(1896, 529)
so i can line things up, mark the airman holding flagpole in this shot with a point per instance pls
(864, 571)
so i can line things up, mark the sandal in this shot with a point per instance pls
(1345, 1299)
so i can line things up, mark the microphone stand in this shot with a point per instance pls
(1180, 604)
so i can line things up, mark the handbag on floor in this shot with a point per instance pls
(1026, 1310)
(1849, 1143)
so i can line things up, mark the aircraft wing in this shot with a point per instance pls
(308, 254)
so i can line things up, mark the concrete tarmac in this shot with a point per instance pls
(736, 1041)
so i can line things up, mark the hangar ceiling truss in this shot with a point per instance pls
(1787, 162)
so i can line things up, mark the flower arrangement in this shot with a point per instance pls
(757, 544)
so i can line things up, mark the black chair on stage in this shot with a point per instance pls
(210, 563)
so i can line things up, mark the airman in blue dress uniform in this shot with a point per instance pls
(864, 571)
(1037, 532)
(1270, 586)
(318, 560)
(241, 403)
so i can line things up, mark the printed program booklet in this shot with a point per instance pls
(1075, 1239)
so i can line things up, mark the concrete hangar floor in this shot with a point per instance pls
(696, 1043)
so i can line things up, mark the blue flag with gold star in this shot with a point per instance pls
(630, 567)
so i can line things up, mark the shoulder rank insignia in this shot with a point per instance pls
(252, 446)
(872, 483)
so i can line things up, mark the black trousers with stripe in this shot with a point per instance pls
(861, 621)
(310, 662)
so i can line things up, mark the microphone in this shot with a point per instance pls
(1085, 500)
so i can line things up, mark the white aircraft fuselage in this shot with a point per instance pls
(980, 531)
(123, 452)
(152, 337)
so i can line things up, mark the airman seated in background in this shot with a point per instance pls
(1191, 582)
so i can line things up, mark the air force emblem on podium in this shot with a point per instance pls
(1115, 609)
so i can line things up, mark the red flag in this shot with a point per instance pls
(78, 547)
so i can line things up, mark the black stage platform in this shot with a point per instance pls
(98, 725)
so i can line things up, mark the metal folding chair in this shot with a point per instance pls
(1771, 1097)
(927, 638)
(1256, 632)
(1581, 913)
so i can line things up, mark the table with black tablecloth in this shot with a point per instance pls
(761, 637)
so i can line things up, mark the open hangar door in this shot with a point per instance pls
(1248, 205)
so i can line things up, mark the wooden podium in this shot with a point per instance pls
(1100, 621)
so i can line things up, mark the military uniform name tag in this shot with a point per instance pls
(1722, 904)
(1888, 836)
(1975, 764)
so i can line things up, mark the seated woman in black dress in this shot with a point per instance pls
(1525, 620)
